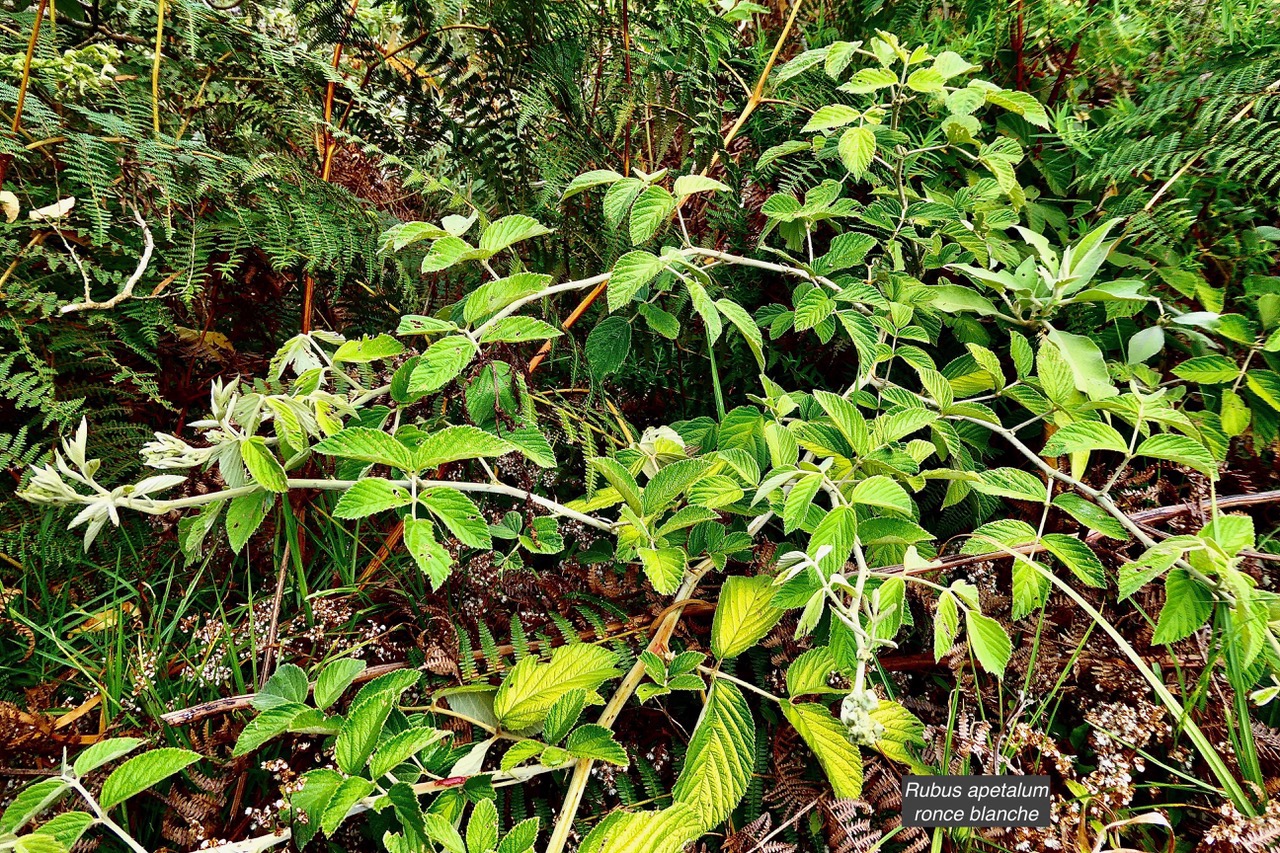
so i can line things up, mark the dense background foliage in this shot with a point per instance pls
(241, 173)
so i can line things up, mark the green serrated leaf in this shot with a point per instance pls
(988, 641)
(367, 445)
(104, 752)
(587, 180)
(829, 740)
(517, 330)
(460, 514)
(398, 748)
(608, 346)
(596, 742)
(370, 495)
(1187, 607)
(650, 212)
(509, 230)
(432, 558)
(831, 116)
(263, 466)
(1182, 450)
(531, 687)
(334, 679)
(350, 791)
(1084, 436)
(664, 567)
(721, 754)
(857, 148)
(744, 615)
(443, 361)
(143, 771)
(30, 802)
(880, 491)
(245, 515)
(365, 350)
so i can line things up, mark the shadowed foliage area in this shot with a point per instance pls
(637, 427)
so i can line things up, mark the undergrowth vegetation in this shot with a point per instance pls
(637, 426)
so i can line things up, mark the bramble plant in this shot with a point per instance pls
(24, 827)
(907, 239)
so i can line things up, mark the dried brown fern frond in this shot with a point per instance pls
(754, 838)
(882, 790)
(954, 747)
(793, 788)
(1267, 741)
(847, 827)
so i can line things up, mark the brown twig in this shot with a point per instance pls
(6, 159)
(26, 66)
(1164, 513)
(273, 629)
(328, 145)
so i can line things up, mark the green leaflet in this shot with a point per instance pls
(398, 748)
(831, 116)
(988, 641)
(263, 466)
(30, 802)
(665, 831)
(334, 679)
(664, 567)
(365, 350)
(720, 758)
(1078, 557)
(245, 515)
(587, 180)
(460, 514)
(360, 731)
(608, 346)
(1088, 368)
(371, 495)
(508, 231)
(367, 445)
(650, 212)
(493, 296)
(809, 673)
(350, 791)
(744, 615)
(597, 743)
(881, 492)
(142, 771)
(1180, 449)
(455, 443)
(432, 558)
(519, 330)
(1187, 607)
(104, 752)
(829, 740)
(532, 687)
(1011, 483)
(441, 364)
(857, 147)
(687, 185)
(1084, 436)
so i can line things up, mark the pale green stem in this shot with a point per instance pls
(101, 814)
